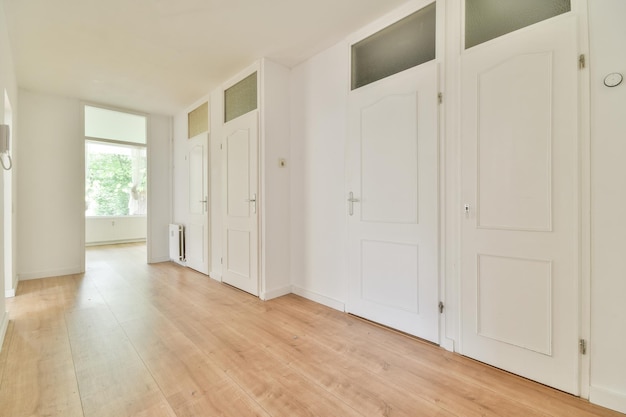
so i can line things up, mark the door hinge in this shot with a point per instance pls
(220, 146)
(221, 261)
(582, 346)
(581, 61)
(440, 307)
(440, 98)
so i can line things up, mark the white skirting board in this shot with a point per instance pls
(49, 274)
(318, 298)
(279, 292)
(4, 325)
(609, 399)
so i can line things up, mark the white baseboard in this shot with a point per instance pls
(4, 325)
(278, 292)
(216, 276)
(609, 399)
(318, 298)
(9, 293)
(115, 242)
(51, 273)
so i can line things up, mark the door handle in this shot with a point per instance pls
(252, 200)
(206, 202)
(351, 201)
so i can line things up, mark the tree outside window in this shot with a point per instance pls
(116, 179)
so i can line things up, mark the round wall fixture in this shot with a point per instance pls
(613, 80)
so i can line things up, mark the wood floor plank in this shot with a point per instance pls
(127, 339)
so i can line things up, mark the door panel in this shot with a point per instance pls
(393, 177)
(519, 271)
(240, 245)
(197, 228)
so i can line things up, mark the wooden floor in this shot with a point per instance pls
(130, 339)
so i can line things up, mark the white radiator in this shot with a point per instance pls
(177, 243)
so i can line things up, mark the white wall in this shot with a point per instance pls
(50, 186)
(608, 153)
(275, 180)
(317, 165)
(160, 134)
(109, 230)
(7, 82)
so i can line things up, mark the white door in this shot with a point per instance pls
(240, 234)
(197, 228)
(393, 221)
(520, 224)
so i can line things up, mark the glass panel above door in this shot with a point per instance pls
(241, 98)
(398, 47)
(489, 19)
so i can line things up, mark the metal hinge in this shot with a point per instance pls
(582, 346)
(221, 260)
(220, 146)
(440, 307)
(581, 61)
(440, 98)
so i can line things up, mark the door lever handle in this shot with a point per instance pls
(351, 201)
(252, 200)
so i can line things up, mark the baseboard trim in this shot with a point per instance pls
(4, 325)
(215, 276)
(278, 292)
(318, 298)
(9, 293)
(609, 399)
(115, 242)
(50, 274)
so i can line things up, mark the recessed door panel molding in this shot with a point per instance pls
(384, 259)
(238, 255)
(515, 301)
(515, 144)
(389, 144)
(237, 165)
(197, 186)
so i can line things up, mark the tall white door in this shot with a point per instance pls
(520, 221)
(393, 202)
(240, 234)
(197, 228)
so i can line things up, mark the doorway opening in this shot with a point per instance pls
(116, 180)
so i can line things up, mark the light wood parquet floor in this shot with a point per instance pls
(127, 339)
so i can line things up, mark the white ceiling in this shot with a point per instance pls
(160, 56)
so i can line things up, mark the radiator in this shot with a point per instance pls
(177, 242)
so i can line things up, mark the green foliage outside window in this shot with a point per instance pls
(109, 182)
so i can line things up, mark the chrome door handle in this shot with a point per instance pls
(351, 201)
(252, 200)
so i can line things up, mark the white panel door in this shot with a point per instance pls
(197, 228)
(520, 226)
(240, 234)
(393, 220)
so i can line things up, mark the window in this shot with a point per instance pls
(241, 98)
(489, 19)
(115, 163)
(398, 47)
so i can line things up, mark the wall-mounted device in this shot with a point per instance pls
(5, 145)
